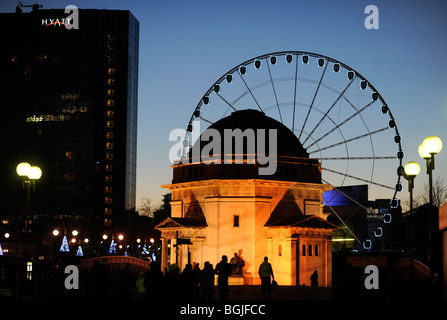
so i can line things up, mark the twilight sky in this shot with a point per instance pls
(185, 46)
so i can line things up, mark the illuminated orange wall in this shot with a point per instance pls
(253, 201)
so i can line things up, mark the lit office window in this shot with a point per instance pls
(110, 124)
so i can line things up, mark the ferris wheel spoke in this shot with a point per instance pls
(329, 110)
(229, 104)
(313, 100)
(342, 123)
(343, 222)
(358, 178)
(273, 87)
(349, 140)
(202, 118)
(294, 93)
(250, 91)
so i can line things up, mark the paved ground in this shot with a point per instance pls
(282, 293)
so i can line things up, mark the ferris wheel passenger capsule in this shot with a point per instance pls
(320, 62)
(289, 58)
(363, 84)
(351, 75)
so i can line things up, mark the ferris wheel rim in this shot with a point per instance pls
(327, 59)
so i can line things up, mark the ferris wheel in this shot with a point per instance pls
(337, 114)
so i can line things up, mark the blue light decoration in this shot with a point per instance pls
(112, 248)
(1, 250)
(64, 246)
(145, 250)
(79, 253)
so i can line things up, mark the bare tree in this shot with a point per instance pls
(422, 197)
(148, 207)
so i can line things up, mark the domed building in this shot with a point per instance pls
(250, 188)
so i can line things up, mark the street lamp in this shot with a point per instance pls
(30, 175)
(430, 147)
(411, 170)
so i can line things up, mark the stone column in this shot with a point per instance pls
(164, 253)
(328, 263)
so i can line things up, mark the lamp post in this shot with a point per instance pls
(430, 147)
(411, 170)
(30, 174)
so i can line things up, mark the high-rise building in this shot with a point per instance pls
(68, 103)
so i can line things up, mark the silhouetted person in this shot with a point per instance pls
(223, 271)
(265, 271)
(102, 280)
(207, 281)
(196, 273)
(153, 281)
(140, 289)
(125, 282)
(187, 282)
(314, 279)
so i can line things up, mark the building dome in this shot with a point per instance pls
(247, 133)
(287, 142)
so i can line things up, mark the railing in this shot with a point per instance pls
(421, 271)
(115, 264)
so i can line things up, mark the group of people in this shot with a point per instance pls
(192, 283)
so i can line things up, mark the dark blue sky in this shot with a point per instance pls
(185, 46)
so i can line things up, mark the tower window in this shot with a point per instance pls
(235, 221)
